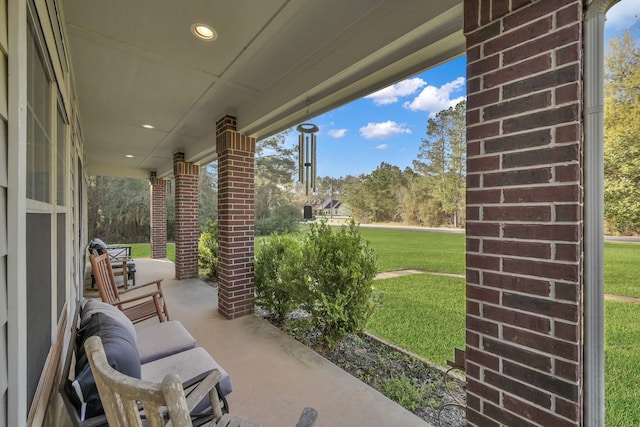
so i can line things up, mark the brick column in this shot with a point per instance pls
(158, 210)
(235, 219)
(187, 230)
(524, 212)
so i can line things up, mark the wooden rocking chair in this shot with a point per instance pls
(136, 306)
(121, 396)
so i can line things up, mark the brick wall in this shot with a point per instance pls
(158, 190)
(524, 212)
(235, 219)
(187, 229)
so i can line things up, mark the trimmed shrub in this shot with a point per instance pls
(279, 274)
(339, 269)
(208, 249)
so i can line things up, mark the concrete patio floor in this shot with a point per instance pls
(274, 376)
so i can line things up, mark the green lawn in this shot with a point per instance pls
(404, 249)
(422, 313)
(143, 250)
(622, 268)
(622, 363)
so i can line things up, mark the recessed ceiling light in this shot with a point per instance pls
(147, 126)
(204, 32)
(128, 155)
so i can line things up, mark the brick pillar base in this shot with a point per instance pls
(524, 212)
(158, 217)
(187, 230)
(235, 219)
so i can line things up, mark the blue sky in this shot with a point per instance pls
(387, 126)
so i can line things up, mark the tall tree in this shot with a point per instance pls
(622, 134)
(275, 169)
(377, 197)
(441, 161)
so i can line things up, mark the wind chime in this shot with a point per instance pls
(307, 160)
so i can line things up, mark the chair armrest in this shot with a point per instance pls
(157, 282)
(207, 381)
(138, 297)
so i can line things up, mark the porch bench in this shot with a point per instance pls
(120, 258)
(162, 348)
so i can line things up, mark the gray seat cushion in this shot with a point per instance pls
(158, 340)
(187, 365)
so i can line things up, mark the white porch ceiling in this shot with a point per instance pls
(136, 62)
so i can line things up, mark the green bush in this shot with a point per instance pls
(208, 249)
(279, 274)
(339, 269)
(328, 274)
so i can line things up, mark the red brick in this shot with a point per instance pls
(472, 245)
(504, 417)
(568, 370)
(473, 340)
(517, 177)
(517, 248)
(508, 385)
(568, 93)
(566, 173)
(483, 196)
(550, 270)
(566, 233)
(539, 45)
(479, 389)
(569, 15)
(534, 413)
(542, 306)
(483, 131)
(473, 181)
(478, 164)
(517, 284)
(518, 71)
(518, 141)
(517, 106)
(520, 35)
(471, 15)
(483, 229)
(567, 252)
(483, 294)
(568, 54)
(516, 318)
(541, 343)
(483, 262)
(566, 331)
(482, 34)
(530, 13)
(472, 212)
(566, 291)
(551, 193)
(551, 79)
(567, 409)
(547, 117)
(476, 419)
(485, 97)
(482, 327)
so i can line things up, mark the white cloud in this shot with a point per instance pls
(434, 99)
(337, 133)
(390, 94)
(382, 147)
(623, 15)
(383, 130)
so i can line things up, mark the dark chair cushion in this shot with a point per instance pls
(97, 245)
(122, 355)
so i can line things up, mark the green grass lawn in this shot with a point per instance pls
(404, 249)
(622, 268)
(622, 363)
(143, 250)
(422, 313)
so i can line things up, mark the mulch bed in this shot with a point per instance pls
(412, 382)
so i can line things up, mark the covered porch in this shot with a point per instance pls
(274, 376)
